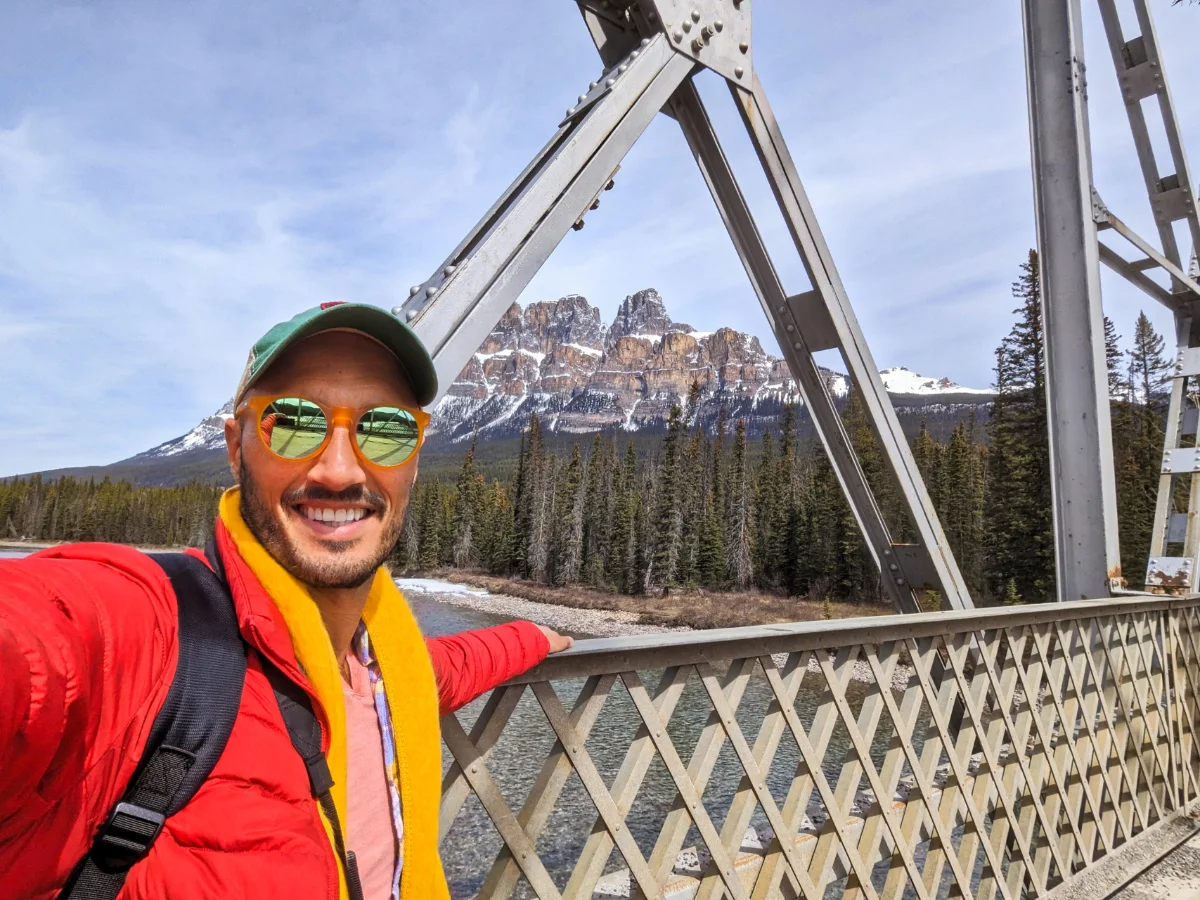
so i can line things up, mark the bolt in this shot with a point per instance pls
(719, 25)
(697, 45)
(410, 315)
(609, 186)
(744, 47)
(707, 32)
(677, 35)
(414, 290)
(448, 271)
(577, 225)
(609, 82)
(739, 71)
(695, 15)
(430, 291)
(595, 203)
(687, 26)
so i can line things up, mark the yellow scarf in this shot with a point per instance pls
(409, 683)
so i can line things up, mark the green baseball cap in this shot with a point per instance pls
(370, 320)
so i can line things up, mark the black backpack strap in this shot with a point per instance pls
(188, 735)
(305, 732)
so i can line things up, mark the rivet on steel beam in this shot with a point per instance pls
(635, 54)
(524, 854)
(414, 290)
(474, 769)
(893, 567)
(739, 71)
(782, 309)
(448, 271)
(592, 85)
(899, 581)
(581, 98)
(570, 111)
(430, 291)
(677, 35)
(797, 346)
(695, 15)
(744, 47)
(653, 17)
(645, 42)
(789, 327)
(686, 26)
(719, 25)
(623, 67)
(609, 82)
(410, 315)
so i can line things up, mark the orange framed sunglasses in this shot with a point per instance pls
(295, 429)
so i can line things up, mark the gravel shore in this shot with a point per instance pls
(589, 622)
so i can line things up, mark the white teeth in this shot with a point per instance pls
(333, 516)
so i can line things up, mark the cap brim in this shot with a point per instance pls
(379, 324)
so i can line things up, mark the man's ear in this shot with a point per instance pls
(233, 444)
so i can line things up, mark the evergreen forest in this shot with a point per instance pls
(720, 510)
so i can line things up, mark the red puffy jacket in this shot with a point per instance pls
(87, 652)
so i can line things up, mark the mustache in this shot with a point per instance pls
(356, 493)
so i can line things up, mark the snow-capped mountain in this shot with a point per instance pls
(559, 359)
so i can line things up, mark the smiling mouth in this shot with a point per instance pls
(333, 516)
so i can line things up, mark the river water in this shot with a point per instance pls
(472, 843)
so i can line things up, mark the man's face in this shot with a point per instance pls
(279, 496)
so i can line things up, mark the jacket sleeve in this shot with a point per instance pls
(473, 662)
(85, 635)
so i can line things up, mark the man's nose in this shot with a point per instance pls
(338, 466)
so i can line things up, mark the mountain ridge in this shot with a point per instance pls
(560, 360)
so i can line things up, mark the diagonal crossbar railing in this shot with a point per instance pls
(826, 759)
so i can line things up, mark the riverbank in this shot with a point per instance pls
(678, 609)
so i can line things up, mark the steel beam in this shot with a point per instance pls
(1082, 475)
(933, 554)
(476, 285)
(790, 331)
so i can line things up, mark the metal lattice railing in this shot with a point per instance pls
(970, 754)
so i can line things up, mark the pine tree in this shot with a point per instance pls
(468, 495)
(668, 521)
(1020, 541)
(569, 530)
(741, 567)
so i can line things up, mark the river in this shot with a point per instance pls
(472, 843)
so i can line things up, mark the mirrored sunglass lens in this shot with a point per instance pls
(293, 427)
(387, 435)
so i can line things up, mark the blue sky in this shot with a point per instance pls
(176, 177)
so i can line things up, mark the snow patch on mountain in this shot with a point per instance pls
(558, 359)
(899, 380)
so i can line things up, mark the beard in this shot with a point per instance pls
(337, 567)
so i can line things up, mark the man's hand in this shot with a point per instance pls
(557, 641)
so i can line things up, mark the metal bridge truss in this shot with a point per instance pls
(820, 759)
(651, 49)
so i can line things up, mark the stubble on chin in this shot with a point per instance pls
(336, 570)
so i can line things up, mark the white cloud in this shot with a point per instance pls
(176, 178)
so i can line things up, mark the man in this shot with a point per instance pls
(324, 445)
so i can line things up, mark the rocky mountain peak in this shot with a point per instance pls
(643, 313)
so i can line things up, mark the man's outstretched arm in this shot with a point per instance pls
(84, 652)
(473, 662)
